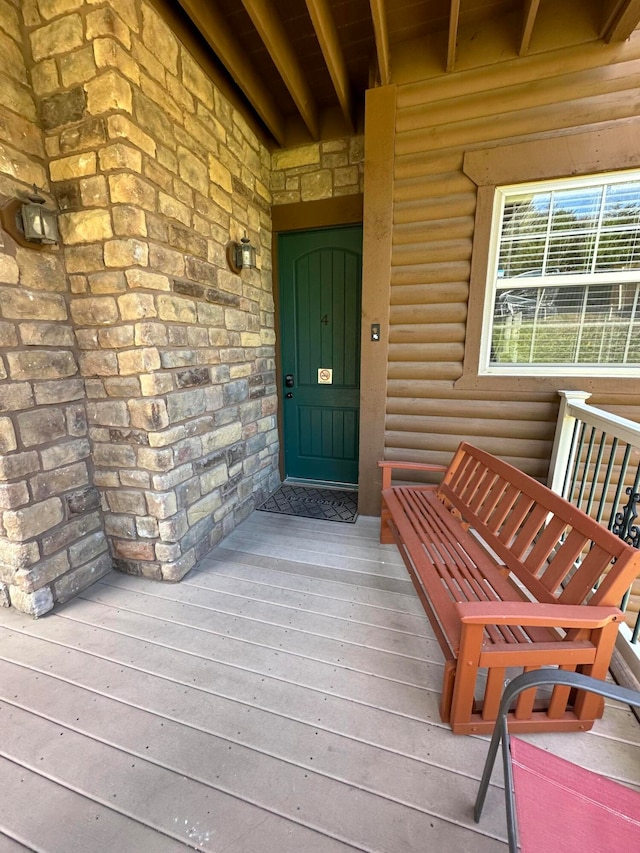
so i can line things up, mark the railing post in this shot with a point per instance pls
(563, 448)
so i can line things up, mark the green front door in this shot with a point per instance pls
(320, 287)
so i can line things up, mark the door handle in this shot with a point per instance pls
(289, 380)
(289, 395)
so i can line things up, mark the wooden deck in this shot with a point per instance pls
(283, 697)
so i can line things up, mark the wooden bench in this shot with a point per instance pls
(511, 576)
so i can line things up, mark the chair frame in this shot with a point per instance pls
(526, 681)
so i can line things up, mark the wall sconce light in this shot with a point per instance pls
(242, 255)
(30, 222)
(40, 223)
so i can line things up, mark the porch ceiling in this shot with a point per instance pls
(303, 65)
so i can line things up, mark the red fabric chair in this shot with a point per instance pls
(552, 804)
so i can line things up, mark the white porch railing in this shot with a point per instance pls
(595, 465)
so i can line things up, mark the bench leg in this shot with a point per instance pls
(448, 681)
(386, 536)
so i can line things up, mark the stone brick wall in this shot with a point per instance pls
(52, 540)
(154, 171)
(317, 171)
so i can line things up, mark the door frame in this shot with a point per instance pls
(305, 216)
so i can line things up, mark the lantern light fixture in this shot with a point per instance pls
(29, 222)
(242, 255)
(40, 223)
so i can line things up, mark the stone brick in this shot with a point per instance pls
(129, 221)
(29, 522)
(126, 502)
(156, 383)
(85, 226)
(196, 80)
(61, 36)
(93, 191)
(108, 53)
(45, 77)
(159, 39)
(65, 453)
(41, 364)
(174, 209)
(111, 413)
(137, 361)
(40, 271)
(17, 395)
(147, 280)
(105, 22)
(148, 414)
(82, 501)
(8, 440)
(193, 171)
(186, 240)
(147, 528)
(33, 603)
(41, 574)
(114, 456)
(177, 309)
(46, 334)
(174, 528)
(63, 108)
(116, 337)
(133, 550)
(123, 253)
(120, 156)
(124, 527)
(70, 532)
(56, 482)
(98, 364)
(120, 127)
(76, 166)
(108, 92)
(77, 67)
(5, 601)
(41, 426)
(316, 185)
(84, 259)
(131, 189)
(219, 174)
(194, 377)
(25, 305)
(348, 176)
(150, 334)
(137, 306)
(235, 320)
(94, 311)
(166, 260)
(9, 270)
(59, 391)
(161, 505)
(185, 405)
(67, 194)
(78, 579)
(306, 155)
(13, 495)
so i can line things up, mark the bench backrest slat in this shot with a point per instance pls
(538, 535)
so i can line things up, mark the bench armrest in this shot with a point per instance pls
(388, 466)
(534, 614)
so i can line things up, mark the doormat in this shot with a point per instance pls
(313, 502)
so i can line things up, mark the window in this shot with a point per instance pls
(564, 279)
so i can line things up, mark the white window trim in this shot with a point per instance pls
(501, 193)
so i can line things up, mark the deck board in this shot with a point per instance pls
(282, 698)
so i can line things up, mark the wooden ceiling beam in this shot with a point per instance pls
(272, 32)
(329, 40)
(381, 33)
(622, 21)
(454, 20)
(222, 40)
(530, 13)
